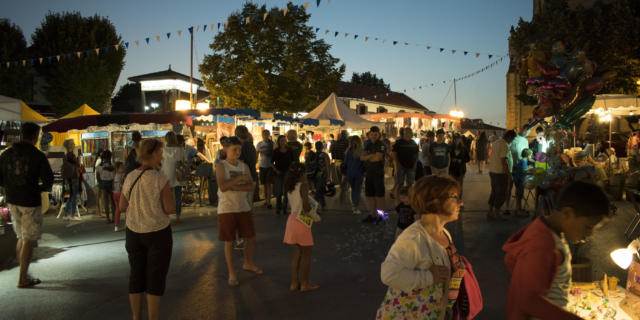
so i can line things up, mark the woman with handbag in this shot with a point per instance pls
(298, 230)
(423, 269)
(148, 200)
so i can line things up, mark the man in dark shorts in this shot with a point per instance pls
(374, 184)
(405, 155)
(22, 167)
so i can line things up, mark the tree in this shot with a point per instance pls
(608, 33)
(15, 81)
(369, 79)
(73, 81)
(127, 98)
(275, 64)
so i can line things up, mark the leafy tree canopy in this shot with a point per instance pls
(608, 33)
(369, 79)
(73, 82)
(127, 98)
(14, 81)
(275, 64)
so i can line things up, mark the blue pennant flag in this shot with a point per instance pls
(147, 39)
(126, 44)
(32, 62)
(218, 25)
(336, 34)
(405, 90)
(317, 29)
(318, 1)
(420, 87)
(466, 52)
(275, 13)
(204, 28)
(48, 59)
(15, 63)
(87, 52)
(432, 84)
(444, 82)
(490, 56)
(355, 37)
(441, 49)
(240, 21)
(295, 9)
(69, 55)
(395, 42)
(106, 49)
(190, 31)
(168, 35)
(256, 18)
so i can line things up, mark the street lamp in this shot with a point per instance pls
(455, 112)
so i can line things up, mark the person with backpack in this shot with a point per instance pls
(265, 162)
(173, 166)
(105, 173)
(71, 175)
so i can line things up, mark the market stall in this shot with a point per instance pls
(332, 116)
(12, 113)
(76, 135)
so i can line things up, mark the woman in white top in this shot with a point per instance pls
(173, 153)
(234, 210)
(148, 200)
(422, 260)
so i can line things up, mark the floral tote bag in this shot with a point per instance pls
(426, 303)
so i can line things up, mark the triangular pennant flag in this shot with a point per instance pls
(256, 18)
(318, 2)
(137, 43)
(366, 38)
(226, 24)
(376, 39)
(158, 38)
(346, 35)
(69, 55)
(284, 11)
(406, 43)
(420, 87)
(466, 52)
(477, 55)
(87, 53)
(453, 52)
(204, 28)
(32, 62)
(39, 59)
(317, 29)
(97, 50)
(147, 39)
(58, 58)
(9, 64)
(168, 35)
(117, 46)
(77, 54)
(126, 45)
(247, 20)
(395, 42)
(405, 90)
(306, 6)
(190, 29)
(180, 33)
(490, 56)
(336, 34)
(385, 40)
(275, 13)
(106, 49)
(328, 1)
(219, 25)
(355, 37)
(428, 47)
(441, 49)
(197, 28)
(326, 31)
(24, 62)
(295, 9)
(212, 27)
(49, 58)
(264, 16)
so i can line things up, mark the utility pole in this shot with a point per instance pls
(455, 96)
(191, 106)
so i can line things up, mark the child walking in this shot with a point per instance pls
(234, 210)
(105, 173)
(118, 179)
(297, 233)
(539, 258)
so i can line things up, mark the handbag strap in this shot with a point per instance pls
(136, 181)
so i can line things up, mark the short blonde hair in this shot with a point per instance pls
(147, 148)
(68, 143)
(429, 193)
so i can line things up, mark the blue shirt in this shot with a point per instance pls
(354, 166)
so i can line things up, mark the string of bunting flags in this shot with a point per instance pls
(212, 27)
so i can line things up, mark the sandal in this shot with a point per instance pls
(30, 283)
(294, 287)
(311, 287)
(233, 282)
(253, 269)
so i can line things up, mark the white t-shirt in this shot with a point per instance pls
(170, 157)
(145, 213)
(499, 151)
(265, 149)
(233, 201)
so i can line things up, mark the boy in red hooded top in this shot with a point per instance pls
(539, 259)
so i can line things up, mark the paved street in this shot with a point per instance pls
(84, 268)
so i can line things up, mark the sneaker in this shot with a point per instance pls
(116, 229)
(356, 211)
(378, 220)
(76, 218)
(368, 219)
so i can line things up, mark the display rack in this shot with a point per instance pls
(118, 144)
(92, 142)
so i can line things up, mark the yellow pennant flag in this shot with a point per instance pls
(24, 63)
(180, 32)
(453, 52)
(78, 54)
(117, 46)
(326, 31)
(346, 35)
(385, 40)
(158, 38)
(137, 42)
(306, 6)
(212, 27)
(264, 17)
(284, 11)
(328, 1)
(9, 64)
(58, 58)
(39, 59)
(247, 20)
(97, 50)
(197, 28)
(226, 24)
(366, 38)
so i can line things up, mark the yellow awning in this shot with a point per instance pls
(29, 114)
(84, 110)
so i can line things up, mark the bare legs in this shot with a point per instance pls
(481, 165)
(268, 191)
(153, 305)
(248, 265)
(24, 250)
(301, 260)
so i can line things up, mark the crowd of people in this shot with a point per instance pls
(423, 267)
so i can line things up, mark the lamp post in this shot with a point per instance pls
(455, 112)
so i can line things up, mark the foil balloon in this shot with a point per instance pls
(574, 112)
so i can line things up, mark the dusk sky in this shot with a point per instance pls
(463, 25)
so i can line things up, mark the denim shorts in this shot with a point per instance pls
(402, 173)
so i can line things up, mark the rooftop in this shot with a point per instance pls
(358, 91)
(165, 75)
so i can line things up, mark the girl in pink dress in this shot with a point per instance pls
(297, 233)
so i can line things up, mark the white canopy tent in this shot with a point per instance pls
(12, 109)
(333, 108)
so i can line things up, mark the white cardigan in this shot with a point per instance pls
(407, 265)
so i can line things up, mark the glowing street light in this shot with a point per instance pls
(455, 112)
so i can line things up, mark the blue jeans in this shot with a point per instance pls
(356, 190)
(178, 193)
(280, 192)
(72, 203)
(409, 174)
(319, 193)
